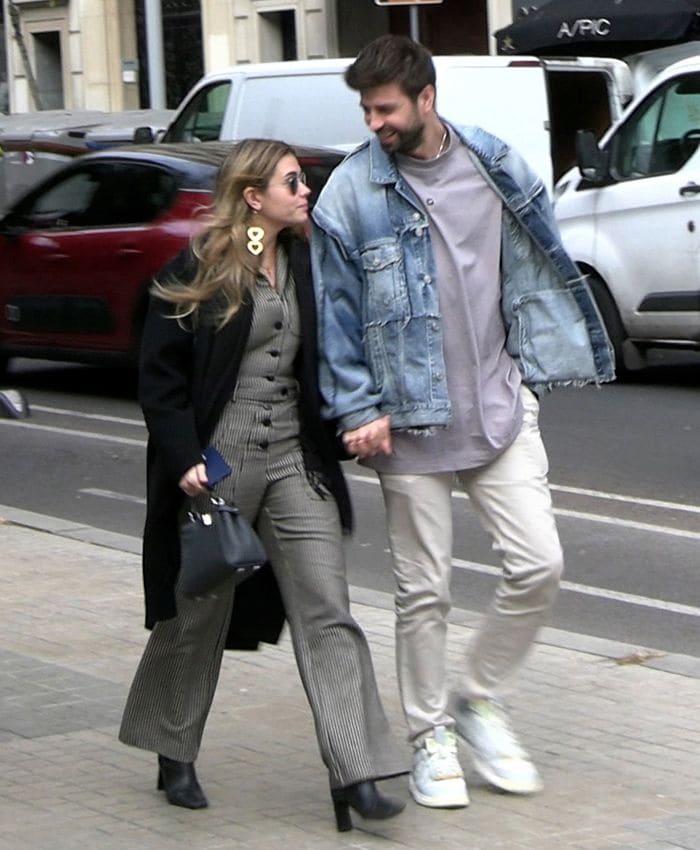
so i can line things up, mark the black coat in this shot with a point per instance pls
(185, 380)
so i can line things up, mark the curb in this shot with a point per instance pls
(675, 663)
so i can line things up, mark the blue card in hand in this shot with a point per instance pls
(217, 468)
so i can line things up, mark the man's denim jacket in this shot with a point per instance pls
(379, 318)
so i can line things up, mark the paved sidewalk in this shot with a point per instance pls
(618, 744)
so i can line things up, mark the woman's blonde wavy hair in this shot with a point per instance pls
(226, 268)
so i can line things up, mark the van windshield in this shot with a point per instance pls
(202, 118)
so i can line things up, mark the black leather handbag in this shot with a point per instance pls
(217, 545)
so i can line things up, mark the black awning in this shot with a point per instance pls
(600, 27)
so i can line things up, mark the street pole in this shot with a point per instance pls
(415, 32)
(155, 55)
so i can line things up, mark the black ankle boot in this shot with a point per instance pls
(366, 800)
(179, 781)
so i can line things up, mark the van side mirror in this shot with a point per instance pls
(143, 136)
(592, 161)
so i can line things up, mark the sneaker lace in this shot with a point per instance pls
(442, 756)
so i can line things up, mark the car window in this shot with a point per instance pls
(102, 194)
(202, 117)
(62, 202)
(662, 135)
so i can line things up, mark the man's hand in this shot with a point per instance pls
(369, 440)
(194, 481)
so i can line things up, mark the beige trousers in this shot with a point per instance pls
(512, 500)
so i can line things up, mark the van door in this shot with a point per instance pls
(648, 218)
(507, 97)
(584, 93)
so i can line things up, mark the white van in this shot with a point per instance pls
(630, 218)
(536, 106)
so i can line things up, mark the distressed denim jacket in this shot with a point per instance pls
(380, 333)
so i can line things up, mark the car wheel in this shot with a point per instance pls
(611, 320)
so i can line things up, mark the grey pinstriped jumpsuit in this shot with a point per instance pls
(258, 434)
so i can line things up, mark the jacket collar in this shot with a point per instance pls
(382, 166)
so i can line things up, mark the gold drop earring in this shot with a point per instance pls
(255, 235)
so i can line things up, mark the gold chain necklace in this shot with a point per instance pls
(443, 142)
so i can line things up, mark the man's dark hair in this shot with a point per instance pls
(392, 59)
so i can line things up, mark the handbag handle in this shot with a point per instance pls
(218, 504)
(221, 505)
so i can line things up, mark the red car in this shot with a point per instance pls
(78, 252)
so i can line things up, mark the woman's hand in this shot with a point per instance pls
(194, 481)
(369, 440)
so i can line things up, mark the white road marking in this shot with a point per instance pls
(633, 500)
(588, 590)
(560, 488)
(70, 432)
(79, 414)
(363, 479)
(629, 523)
(110, 494)
(488, 569)
(587, 517)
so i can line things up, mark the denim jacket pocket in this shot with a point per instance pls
(553, 339)
(387, 292)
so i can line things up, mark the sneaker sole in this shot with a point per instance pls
(504, 784)
(446, 801)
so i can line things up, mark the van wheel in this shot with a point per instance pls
(611, 320)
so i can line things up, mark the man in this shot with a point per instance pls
(446, 299)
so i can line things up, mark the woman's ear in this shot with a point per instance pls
(252, 198)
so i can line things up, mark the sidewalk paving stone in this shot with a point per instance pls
(617, 744)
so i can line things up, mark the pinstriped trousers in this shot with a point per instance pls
(174, 685)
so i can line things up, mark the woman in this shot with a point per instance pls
(229, 360)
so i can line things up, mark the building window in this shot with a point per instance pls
(48, 69)
(278, 36)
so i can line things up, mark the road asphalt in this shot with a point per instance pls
(613, 728)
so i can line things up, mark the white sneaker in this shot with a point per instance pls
(498, 756)
(437, 779)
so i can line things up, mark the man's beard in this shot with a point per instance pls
(407, 140)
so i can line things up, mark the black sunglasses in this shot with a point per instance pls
(292, 181)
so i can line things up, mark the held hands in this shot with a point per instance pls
(194, 481)
(369, 440)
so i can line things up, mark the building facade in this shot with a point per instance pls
(93, 54)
